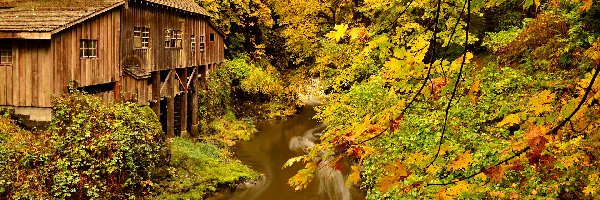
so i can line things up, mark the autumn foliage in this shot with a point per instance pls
(420, 108)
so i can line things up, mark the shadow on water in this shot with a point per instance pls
(276, 142)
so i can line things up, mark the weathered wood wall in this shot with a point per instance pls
(139, 91)
(41, 68)
(28, 80)
(159, 19)
(214, 50)
(68, 63)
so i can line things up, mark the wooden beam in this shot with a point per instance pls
(162, 87)
(189, 82)
(171, 106)
(25, 35)
(155, 76)
(183, 112)
(203, 77)
(195, 89)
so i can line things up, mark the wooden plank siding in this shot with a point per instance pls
(28, 81)
(43, 67)
(157, 57)
(70, 66)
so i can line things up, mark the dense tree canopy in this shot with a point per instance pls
(452, 98)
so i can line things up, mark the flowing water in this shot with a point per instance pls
(275, 143)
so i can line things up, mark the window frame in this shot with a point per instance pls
(212, 37)
(88, 48)
(202, 44)
(141, 37)
(6, 52)
(173, 39)
(193, 43)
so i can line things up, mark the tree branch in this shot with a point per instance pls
(553, 131)
(447, 111)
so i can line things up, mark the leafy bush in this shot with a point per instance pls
(91, 151)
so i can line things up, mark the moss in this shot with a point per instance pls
(198, 169)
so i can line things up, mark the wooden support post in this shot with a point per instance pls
(203, 77)
(117, 91)
(156, 92)
(195, 88)
(184, 103)
(171, 105)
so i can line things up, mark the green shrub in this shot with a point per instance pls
(91, 151)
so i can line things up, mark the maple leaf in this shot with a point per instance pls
(495, 173)
(443, 195)
(536, 139)
(473, 90)
(458, 188)
(293, 160)
(509, 120)
(354, 176)
(590, 190)
(412, 186)
(303, 177)
(396, 123)
(587, 4)
(462, 161)
(338, 33)
(540, 103)
(386, 183)
(568, 161)
(396, 173)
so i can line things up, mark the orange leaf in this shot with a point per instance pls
(495, 173)
(462, 161)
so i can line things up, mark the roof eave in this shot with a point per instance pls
(86, 17)
(38, 35)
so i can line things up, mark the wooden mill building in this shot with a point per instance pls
(153, 52)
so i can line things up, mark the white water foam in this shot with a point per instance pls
(331, 181)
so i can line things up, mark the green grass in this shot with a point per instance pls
(199, 169)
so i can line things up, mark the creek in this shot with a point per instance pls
(272, 146)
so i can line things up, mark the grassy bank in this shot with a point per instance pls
(199, 169)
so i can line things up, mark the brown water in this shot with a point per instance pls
(270, 149)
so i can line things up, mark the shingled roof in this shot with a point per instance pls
(186, 5)
(49, 15)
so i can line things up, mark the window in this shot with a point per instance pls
(201, 46)
(5, 53)
(193, 43)
(141, 37)
(172, 38)
(88, 48)
(212, 37)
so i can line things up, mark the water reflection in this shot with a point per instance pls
(275, 143)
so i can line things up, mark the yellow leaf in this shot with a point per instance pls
(540, 103)
(590, 190)
(458, 188)
(587, 4)
(537, 3)
(338, 33)
(303, 177)
(354, 177)
(481, 176)
(291, 161)
(463, 161)
(473, 91)
(443, 195)
(568, 161)
(509, 120)
(469, 57)
(415, 158)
